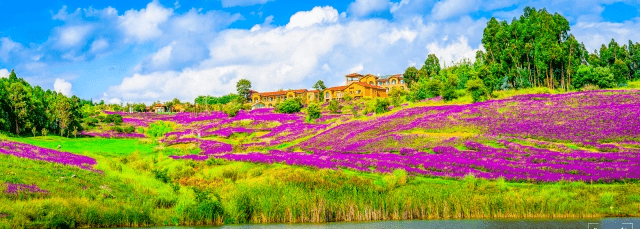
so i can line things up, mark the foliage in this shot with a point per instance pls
(410, 76)
(320, 87)
(335, 106)
(313, 111)
(382, 105)
(158, 129)
(211, 100)
(23, 107)
(449, 89)
(396, 95)
(232, 109)
(116, 119)
(598, 76)
(475, 87)
(289, 106)
(243, 87)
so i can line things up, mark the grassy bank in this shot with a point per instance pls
(140, 186)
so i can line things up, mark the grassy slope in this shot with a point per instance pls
(132, 191)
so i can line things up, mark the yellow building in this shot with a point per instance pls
(388, 81)
(270, 99)
(355, 89)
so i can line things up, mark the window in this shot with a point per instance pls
(387, 82)
(379, 83)
(393, 81)
(401, 81)
(326, 95)
(358, 92)
(371, 82)
(271, 99)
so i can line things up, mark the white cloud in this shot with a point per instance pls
(397, 5)
(396, 35)
(114, 101)
(142, 25)
(62, 86)
(449, 8)
(6, 47)
(317, 15)
(69, 36)
(594, 34)
(99, 45)
(356, 69)
(255, 28)
(326, 68)
(365, 7)
(453, 52)
(162, 56)
(4, 73)
(232, 3)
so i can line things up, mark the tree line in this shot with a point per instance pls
(534, 50)
(27, 109)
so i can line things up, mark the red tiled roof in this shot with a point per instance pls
(300, 90)
(337, 88)
(312, 91)
(354, 74)
(368, 85)
(159, 105)
(273, 93)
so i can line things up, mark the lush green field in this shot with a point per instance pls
(140, 186)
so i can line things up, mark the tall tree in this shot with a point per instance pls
(244, 89)
(320, 87)
(431, 65)
(410, 76)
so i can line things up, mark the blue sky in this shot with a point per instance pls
(143, 51)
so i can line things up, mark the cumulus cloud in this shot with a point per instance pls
(594, 34)
(232, 3)
(99, 45)
(62, 86)
(451, 53)
(4, 73)
(449, 8)
(317, 15)
(365, 7)
(69, 36)
(142, 25)
(7, 46)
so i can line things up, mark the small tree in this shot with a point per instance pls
(320, 87)
(434, 87)
(289, 106)
(382, 105)
(347, 97)
(34, 131)
(396, 96)
(313, 111)
(231, 109)
(243, 87)
(449, 90)
(334, 107)
(45, 132)
(410, 76)
(475, 87)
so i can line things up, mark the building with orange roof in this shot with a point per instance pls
(355, 89)
(270, 99)
(388, 81)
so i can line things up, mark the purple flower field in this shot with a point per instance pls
(42, 154)
(581, 136)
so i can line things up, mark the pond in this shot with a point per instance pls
(606, 223)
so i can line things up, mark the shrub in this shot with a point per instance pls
(313, 111)
(334, 107)
(449, 89)
(90, 121)
(289, 106)
(158, 129)
(114, 118)
(475, 87)
(396, 96)
(381, 105)
(598, 76)
(129, 129)
(434, 87)
(347, 98)
(231, 109)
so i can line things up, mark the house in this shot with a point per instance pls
(388, 81)
(355, 89)
(270, 99)
(160, 108)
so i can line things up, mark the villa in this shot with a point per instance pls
(358, 86)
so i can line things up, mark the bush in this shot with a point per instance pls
(90, 121)
(396, 96)
(334, 107)
(475, 87)
(313, 111)
(449, 90)
(598, 76)
(289, 106)
(381, 106)
(434, 87)
(129, 129)
(158, 129)
(231, 109)
(114, 118)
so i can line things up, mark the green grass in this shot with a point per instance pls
(96, 146)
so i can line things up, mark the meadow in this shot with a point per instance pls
(524, 155)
